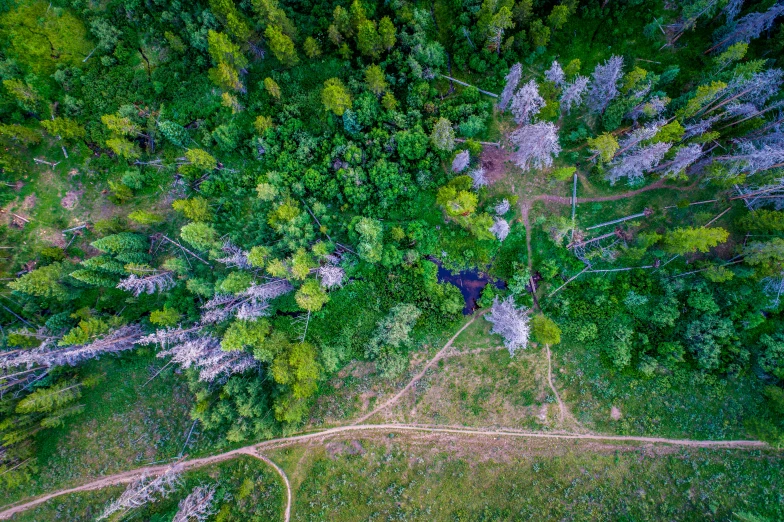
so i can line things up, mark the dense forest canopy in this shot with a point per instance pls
(261, 192)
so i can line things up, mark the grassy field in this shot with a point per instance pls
(479, 384)
(247, 490)
(124, 425)
(684, 404)
(428, 477)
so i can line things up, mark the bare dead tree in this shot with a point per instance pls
(235, 258)
(749, 27)
(512, 79)
(510, 322)
(500, 228)
(536, 144)
(572, 95)
(604, 84)
(331, 276)
(157, 282)
(502, 207)
(191, 347)
(248, 304)
(145, 490)
(461, 161)
(478, 175)
(555, 74)
(196, 507)
(526, 103)
(46, 355)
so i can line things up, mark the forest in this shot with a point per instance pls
(229, 222)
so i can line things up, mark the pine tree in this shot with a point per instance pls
(368, 40)
(375, 80)
(272, 88)
(311, 296)
(311, 47)
(604, 146)
(120, 243)
(686, 240)
(387, 32)
(335, 96)
(281, 46)
(43, 282)
(443, 135)
(200, 235)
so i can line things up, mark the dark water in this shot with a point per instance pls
(471, 283)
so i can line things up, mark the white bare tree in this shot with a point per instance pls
(461, 161)
(49, 355)
(555, 74)
(510, 322)
(192, 347)
(527, 103)
(637, 136)
(149, 284)
(752, 158)
(512, 79)
(478, 175)
(750, 26)
(235, 256)
(502, 207)
(650, 108)
(331, 276)
(536, 145)
(196, 507)
(699, 127)
(732, 9)
(500, 228)
(573, 94)
(604, 84)
(249, 304)
(684, 158)
(145, 490)
(635, 164)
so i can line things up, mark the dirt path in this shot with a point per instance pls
(253, 451)
(525, 206)
(127, 477)
(418, 376)
(561, 406)
(287, 511)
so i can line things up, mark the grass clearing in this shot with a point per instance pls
(681, 405)
(479, 384)
(123, 426)
(248, 489)
(435, 477)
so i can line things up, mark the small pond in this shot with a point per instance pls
(470, 283)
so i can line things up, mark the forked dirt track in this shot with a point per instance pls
(357, 426)
(254, 450)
